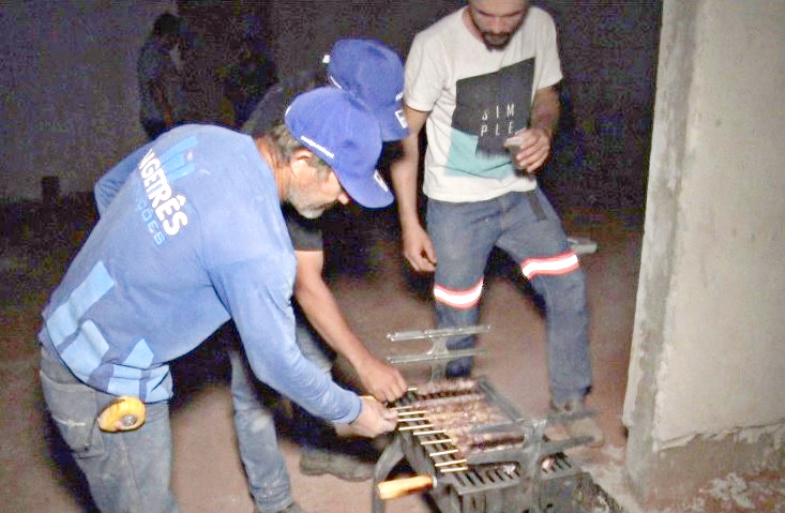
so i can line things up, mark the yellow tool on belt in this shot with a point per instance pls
(124, 414)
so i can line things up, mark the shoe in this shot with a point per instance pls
(315, 462)
(584, 426)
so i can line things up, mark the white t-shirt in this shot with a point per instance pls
(477, 98)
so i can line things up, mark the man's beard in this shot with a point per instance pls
(302, 203)
(496, 41)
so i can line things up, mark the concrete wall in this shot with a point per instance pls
(68, 88)
(305, 29)
(70, 100)
(707, 374)
(68, 74)
(609, 58)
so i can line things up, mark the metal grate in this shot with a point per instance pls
(512, 478)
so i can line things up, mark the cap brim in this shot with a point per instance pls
(370, 193)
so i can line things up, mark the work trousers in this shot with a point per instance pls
(525, 226)
(254, 423)
(127, 472)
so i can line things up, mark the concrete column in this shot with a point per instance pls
(706, 390)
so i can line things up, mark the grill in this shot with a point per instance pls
(474, 453)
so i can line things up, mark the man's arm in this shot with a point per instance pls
(258, 301)
(417, 246)
(381, 379)
(537, 138)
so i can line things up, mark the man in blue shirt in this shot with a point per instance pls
(191, 235)
(373, 73)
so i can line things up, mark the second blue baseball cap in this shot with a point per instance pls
(374, 73)
(340, 130)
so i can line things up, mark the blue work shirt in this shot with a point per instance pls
(190, 235)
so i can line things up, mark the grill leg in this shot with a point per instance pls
(391, 456)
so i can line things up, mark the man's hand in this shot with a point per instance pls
(417, 246)
(382, 380)
(374, 420)
(534, 149)
(418, 249)
(534, 146)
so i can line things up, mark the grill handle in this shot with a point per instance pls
(395, 488)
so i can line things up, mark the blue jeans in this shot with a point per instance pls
(525, 226)
(264, 464)
(128, 472)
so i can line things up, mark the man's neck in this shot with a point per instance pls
(281, 173)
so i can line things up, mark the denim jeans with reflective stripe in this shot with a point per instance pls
(525, 226)
(128, 472)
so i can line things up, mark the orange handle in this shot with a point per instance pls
(399, 487)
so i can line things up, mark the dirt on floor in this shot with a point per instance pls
(37, 244)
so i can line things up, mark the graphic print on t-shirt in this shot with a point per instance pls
(489, 108)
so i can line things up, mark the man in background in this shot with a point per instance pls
(249, 77)
(160, 84)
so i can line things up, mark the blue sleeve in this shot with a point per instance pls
(107, 187)
(259, 302)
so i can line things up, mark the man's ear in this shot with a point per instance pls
(300, 160)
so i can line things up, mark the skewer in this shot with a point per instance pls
(413, 412)
(442, 453)
(437, 441)
(449, 463)
(429, 432)
(408, 424)
(413, 419)
(454, 469)
(450, 386)
(415, 426)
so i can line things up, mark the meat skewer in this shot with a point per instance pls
(450, 401)
(445, 414)
(447, 386)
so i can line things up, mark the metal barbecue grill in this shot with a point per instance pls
(474, 453)
(438, 355)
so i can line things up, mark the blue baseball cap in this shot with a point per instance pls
(340, 130)
(374, 73)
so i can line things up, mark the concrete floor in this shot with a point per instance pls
(379, 296)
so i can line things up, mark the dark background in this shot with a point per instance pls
(608, 50)
(600, 160)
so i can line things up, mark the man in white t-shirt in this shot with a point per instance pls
(482, 81)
